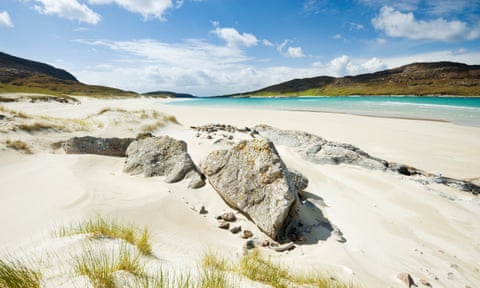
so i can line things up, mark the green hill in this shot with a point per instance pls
(438, 78)
(22, 75)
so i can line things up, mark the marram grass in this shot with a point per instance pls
(101, 228)
(14, 274)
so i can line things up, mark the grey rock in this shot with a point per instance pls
(250, 244)
(299, 181)
(252, 178)
(247, 234)
(318, 150)
(407, 279)
(236, 229)
(162, 156)
(202, 210)
(229, 217)
(96, 145)
(224, 225)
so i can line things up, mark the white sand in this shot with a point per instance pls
(392, 225)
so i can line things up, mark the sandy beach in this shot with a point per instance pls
(391, 224)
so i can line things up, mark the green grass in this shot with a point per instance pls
(107, 266)
(256, 268)
(259, 269)
(100, 266)
(101, 228)
(14, 274)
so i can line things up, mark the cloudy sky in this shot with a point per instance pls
(213, 47)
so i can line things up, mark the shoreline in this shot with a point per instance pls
(462, 114)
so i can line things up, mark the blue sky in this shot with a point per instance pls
(213, 47)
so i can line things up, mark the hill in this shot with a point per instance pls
(23, 75)
(437, 78)
(167, 94)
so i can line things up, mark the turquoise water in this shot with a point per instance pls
(458, 110)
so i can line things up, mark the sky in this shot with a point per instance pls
(216, 47)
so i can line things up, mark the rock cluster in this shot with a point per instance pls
(96, 145)
(318, 150)
(252, 178)
(221, 133)
(162, 156)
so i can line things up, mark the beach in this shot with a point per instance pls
(391, 224)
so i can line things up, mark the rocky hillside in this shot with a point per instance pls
(438, 78)
(22, 75)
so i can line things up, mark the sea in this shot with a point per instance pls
(457, 110)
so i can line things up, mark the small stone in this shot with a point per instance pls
(224, 225)
(407, 279)
(236, 229)
(247, 234)
(265, 243)
(250, 244)
(300, 238)
(450, 275)
(219, 217)
(202, 210)
(425, 283)
(229, 217)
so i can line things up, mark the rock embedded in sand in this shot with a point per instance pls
(96, 145)
(162, 156)
(252, 178)
(407, 279)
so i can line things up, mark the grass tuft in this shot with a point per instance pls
(14, 274)
(19, 146)
(100, 267)
(254, 267)
(101, 228)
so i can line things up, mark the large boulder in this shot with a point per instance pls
(96, 145)
(252, 178)
(162, 156)
(318, 150)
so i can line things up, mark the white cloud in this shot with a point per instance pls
(69, 9)
(443, 7)
(267, 43)
(235, 39)
(201, 68)
(397, 24)
(5, 19)
(355, 26)
(293, 52)
(403, 5)
(147, 8)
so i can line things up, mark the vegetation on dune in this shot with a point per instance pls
(19, 146)
(14, 274)
(101, 228)
(127, 263)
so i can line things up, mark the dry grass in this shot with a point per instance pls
(14, 274)
(101, 228)
(19, 146)
(100, 267)
(40, 127)
(256, 268)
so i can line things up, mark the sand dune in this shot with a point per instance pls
(392, 225)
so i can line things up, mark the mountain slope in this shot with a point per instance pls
(438, 78)
(23, 75)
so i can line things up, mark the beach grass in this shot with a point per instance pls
(102, 228)
(14, 274)
(100, 266)
(19, 145)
